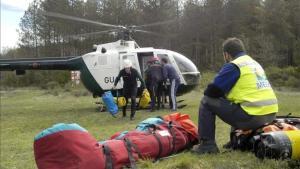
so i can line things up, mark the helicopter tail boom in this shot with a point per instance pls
(57, 63)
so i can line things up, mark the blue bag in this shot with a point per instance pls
(144, 125)
(57, 128)
(108, 100)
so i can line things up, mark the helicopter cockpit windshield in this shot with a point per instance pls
(187, 68)
(184, 64)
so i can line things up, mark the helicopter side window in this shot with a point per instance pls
(132, 58)
(102, 60)
(163, 56)
(184, 64)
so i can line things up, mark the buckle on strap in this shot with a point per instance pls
(260, 103)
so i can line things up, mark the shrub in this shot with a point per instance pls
(50, 85)
(293, 82)
(206, 78)
(34, 78)
(284, 77)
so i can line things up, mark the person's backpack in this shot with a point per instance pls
(145, 99)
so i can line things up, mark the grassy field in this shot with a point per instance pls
(27, 111)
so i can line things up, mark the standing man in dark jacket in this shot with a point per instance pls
(154, 80)
(130, 76)
(240, 95)
(170, 73)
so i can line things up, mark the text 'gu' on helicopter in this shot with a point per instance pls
(98, 69)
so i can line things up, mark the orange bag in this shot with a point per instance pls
(279, 126)
(185, 121)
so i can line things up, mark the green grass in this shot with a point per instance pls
(26, 112)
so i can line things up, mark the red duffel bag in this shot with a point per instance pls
(159, 141)
(69, 149)
(119, 153)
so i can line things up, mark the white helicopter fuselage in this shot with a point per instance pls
(105, 63)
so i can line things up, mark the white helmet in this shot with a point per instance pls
(127, 63)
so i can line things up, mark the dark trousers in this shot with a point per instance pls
(155, 93)
(174, 84)
(130, 93)
(230, 113)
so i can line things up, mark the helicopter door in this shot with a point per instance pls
(143, 59)
(133, 58)
(172, 61)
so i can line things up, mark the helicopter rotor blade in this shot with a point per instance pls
(152, 33)
(62, 16)
(91, 34)
(157, 23)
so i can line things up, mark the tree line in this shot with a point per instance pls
(269, 28)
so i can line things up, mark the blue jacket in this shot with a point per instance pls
(170, 73)
(224, 80)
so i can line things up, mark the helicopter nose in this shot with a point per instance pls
(192, 78)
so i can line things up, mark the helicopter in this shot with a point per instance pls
(99, 68)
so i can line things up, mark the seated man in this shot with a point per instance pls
(240, 95)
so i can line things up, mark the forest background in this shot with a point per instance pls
(270, 30)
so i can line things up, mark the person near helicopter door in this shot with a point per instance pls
(170, 73)
(130, 76)
(154, 80)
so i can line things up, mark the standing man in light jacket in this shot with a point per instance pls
(130, 76)
(240, 95)
(170, 73)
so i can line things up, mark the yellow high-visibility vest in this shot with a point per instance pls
(253, 90)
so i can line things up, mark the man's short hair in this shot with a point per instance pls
(164, 60)
(233, 46)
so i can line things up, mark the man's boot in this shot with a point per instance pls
(124, 111)
(206, 147)
(132, 115)
(228, 145)
(158, 104)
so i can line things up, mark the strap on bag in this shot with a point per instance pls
(134, 147)
(129, 146)
(160, 147)
(188, 142)
(171, 130)
(108, 161)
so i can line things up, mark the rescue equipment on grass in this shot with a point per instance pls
(278, 145)
(145, 99)
(185, 121)
(279, 139)
(121, 101)
(108, 100)
(66, 146)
